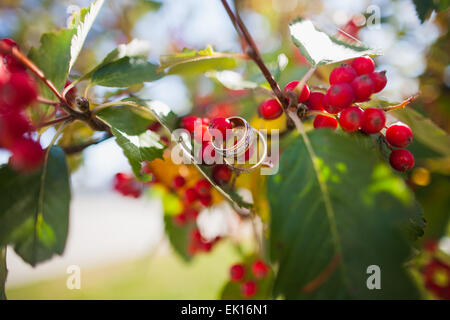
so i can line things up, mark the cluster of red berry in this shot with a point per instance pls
(249, 285)
(350, 84)
(127, 185)
(199, 244)
(200, 193)
(17, 91)
(200, 128)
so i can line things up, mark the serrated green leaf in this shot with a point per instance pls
(82, 21)
(34, 209)
(134, 49)
(3, 272)
(325, 237)
(53, 58)
(425, 130)
(130, 129)
(125, 72)
(179, 237)
(320, 48)
(192, 61)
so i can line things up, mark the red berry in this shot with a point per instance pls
(329, 108)
(401, 160)
(11, 63)
(249, 288)
(436, 275)
(4, 73)
(221, 124)
(342, 74)
(188, 123)
(180, 219)
(201, 133)
(322, 121)
(316, 101)
(363, 65)
(221, 174)
(18, 92)
(373, 120)
(205, 200)
(270, 109)
(27, 155)
(379, 80)
(191, 213)
(154, 126)
(237, 272)
(399, 135)
(350, 118)
(127, 185)
(203, 187)
(190, 195)
(260, 269)
(207, 154)
(12, 127)
(363, 88)
(340, 95)
(178, 182)
(303, 96)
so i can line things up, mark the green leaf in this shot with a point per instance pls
(53, 58)
(319, 48)
(424, 7)
(134, 49)
(125, 72)
(425, 130)
(3, 273)
(435, 200)
(336, 209)
(82, 21)
(34, 209)
(179, 237)
(129, 126)
(232, 80)
(192, 61)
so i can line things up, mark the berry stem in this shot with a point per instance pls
(47, 101)
(401, 105)
(298, 89)
(253, 52)
(80, 147)
(17, 54)
(68, 118)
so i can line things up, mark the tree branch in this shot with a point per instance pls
(80, 147)
(254, 54)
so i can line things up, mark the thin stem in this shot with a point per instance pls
(254, 53)
(55, 121)
(17, 54)
(80, 147)
(47, 101)
(401, 105)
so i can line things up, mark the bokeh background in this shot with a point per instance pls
(119, 242)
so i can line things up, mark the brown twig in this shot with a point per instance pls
(253, 52)
(92, 121)
(80, 147)
(55, 121)
(47, 101)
